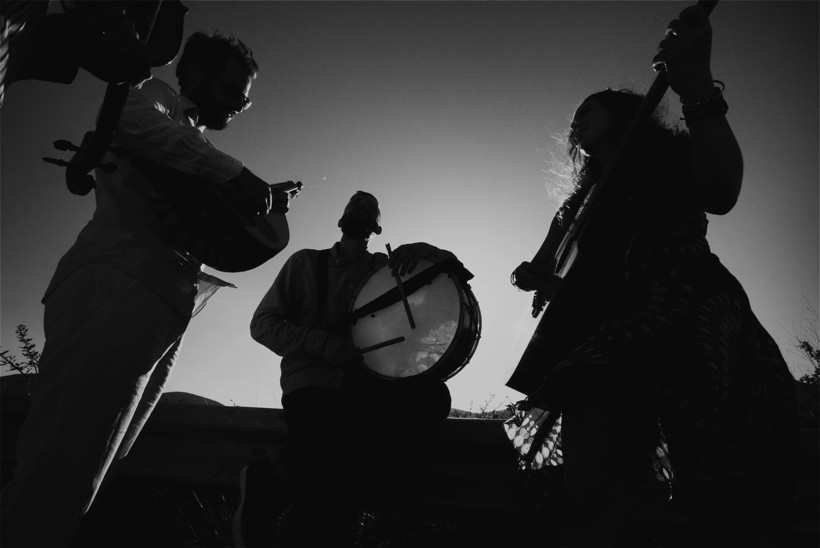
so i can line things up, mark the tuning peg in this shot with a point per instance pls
(56, 162)
(106, 167)
(62, 144)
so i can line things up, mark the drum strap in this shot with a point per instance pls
(322, 264)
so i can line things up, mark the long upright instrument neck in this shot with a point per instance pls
(546, 253)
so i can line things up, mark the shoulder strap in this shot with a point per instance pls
(322, 262)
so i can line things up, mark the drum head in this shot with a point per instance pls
(436, 309)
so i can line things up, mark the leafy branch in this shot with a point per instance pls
(809, 345)
(30, 363)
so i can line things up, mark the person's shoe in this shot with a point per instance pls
(260, 503)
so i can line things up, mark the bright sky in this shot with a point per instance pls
(447, 113)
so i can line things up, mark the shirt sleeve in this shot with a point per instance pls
(275, 323)
(153, 126)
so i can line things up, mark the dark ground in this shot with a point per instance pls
(131, 514)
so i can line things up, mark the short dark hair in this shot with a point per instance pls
(213, 53)
(363, 193)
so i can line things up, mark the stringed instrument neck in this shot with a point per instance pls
(159, 26)
(559, 250)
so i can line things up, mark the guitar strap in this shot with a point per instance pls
(322, 264)
(353, 376)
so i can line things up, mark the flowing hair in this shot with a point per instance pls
(657, 146)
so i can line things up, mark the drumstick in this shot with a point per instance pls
(380, 345)
(403, 295)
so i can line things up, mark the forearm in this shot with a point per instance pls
(546, 253)
(717, 164)
(169, 143)
(148, 130)
(272, 324)
(284, 337)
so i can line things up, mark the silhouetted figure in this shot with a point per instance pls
(122, 296)
(36, 45)
(677, 352)
(353, 435)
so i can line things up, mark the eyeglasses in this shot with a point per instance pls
(233, 92)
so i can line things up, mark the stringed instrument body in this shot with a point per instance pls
(592, 263)
(159, 26)
(210, 221)
(594, 266)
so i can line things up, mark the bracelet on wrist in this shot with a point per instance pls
(713, 107)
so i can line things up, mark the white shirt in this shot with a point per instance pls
(159, 124)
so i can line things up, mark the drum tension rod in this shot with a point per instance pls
(402, 293)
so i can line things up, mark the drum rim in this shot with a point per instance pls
(467, 304)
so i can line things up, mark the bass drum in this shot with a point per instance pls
(446, 315)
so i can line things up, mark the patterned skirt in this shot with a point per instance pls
(711, 380)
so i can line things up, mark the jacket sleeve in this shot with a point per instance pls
(152, 126)
(280, 322)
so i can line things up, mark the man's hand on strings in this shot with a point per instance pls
(685, 54)
(280, 200)
(254, 192)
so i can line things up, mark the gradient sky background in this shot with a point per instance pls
(447, 112)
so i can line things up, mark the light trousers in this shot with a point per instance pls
(110, 346)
